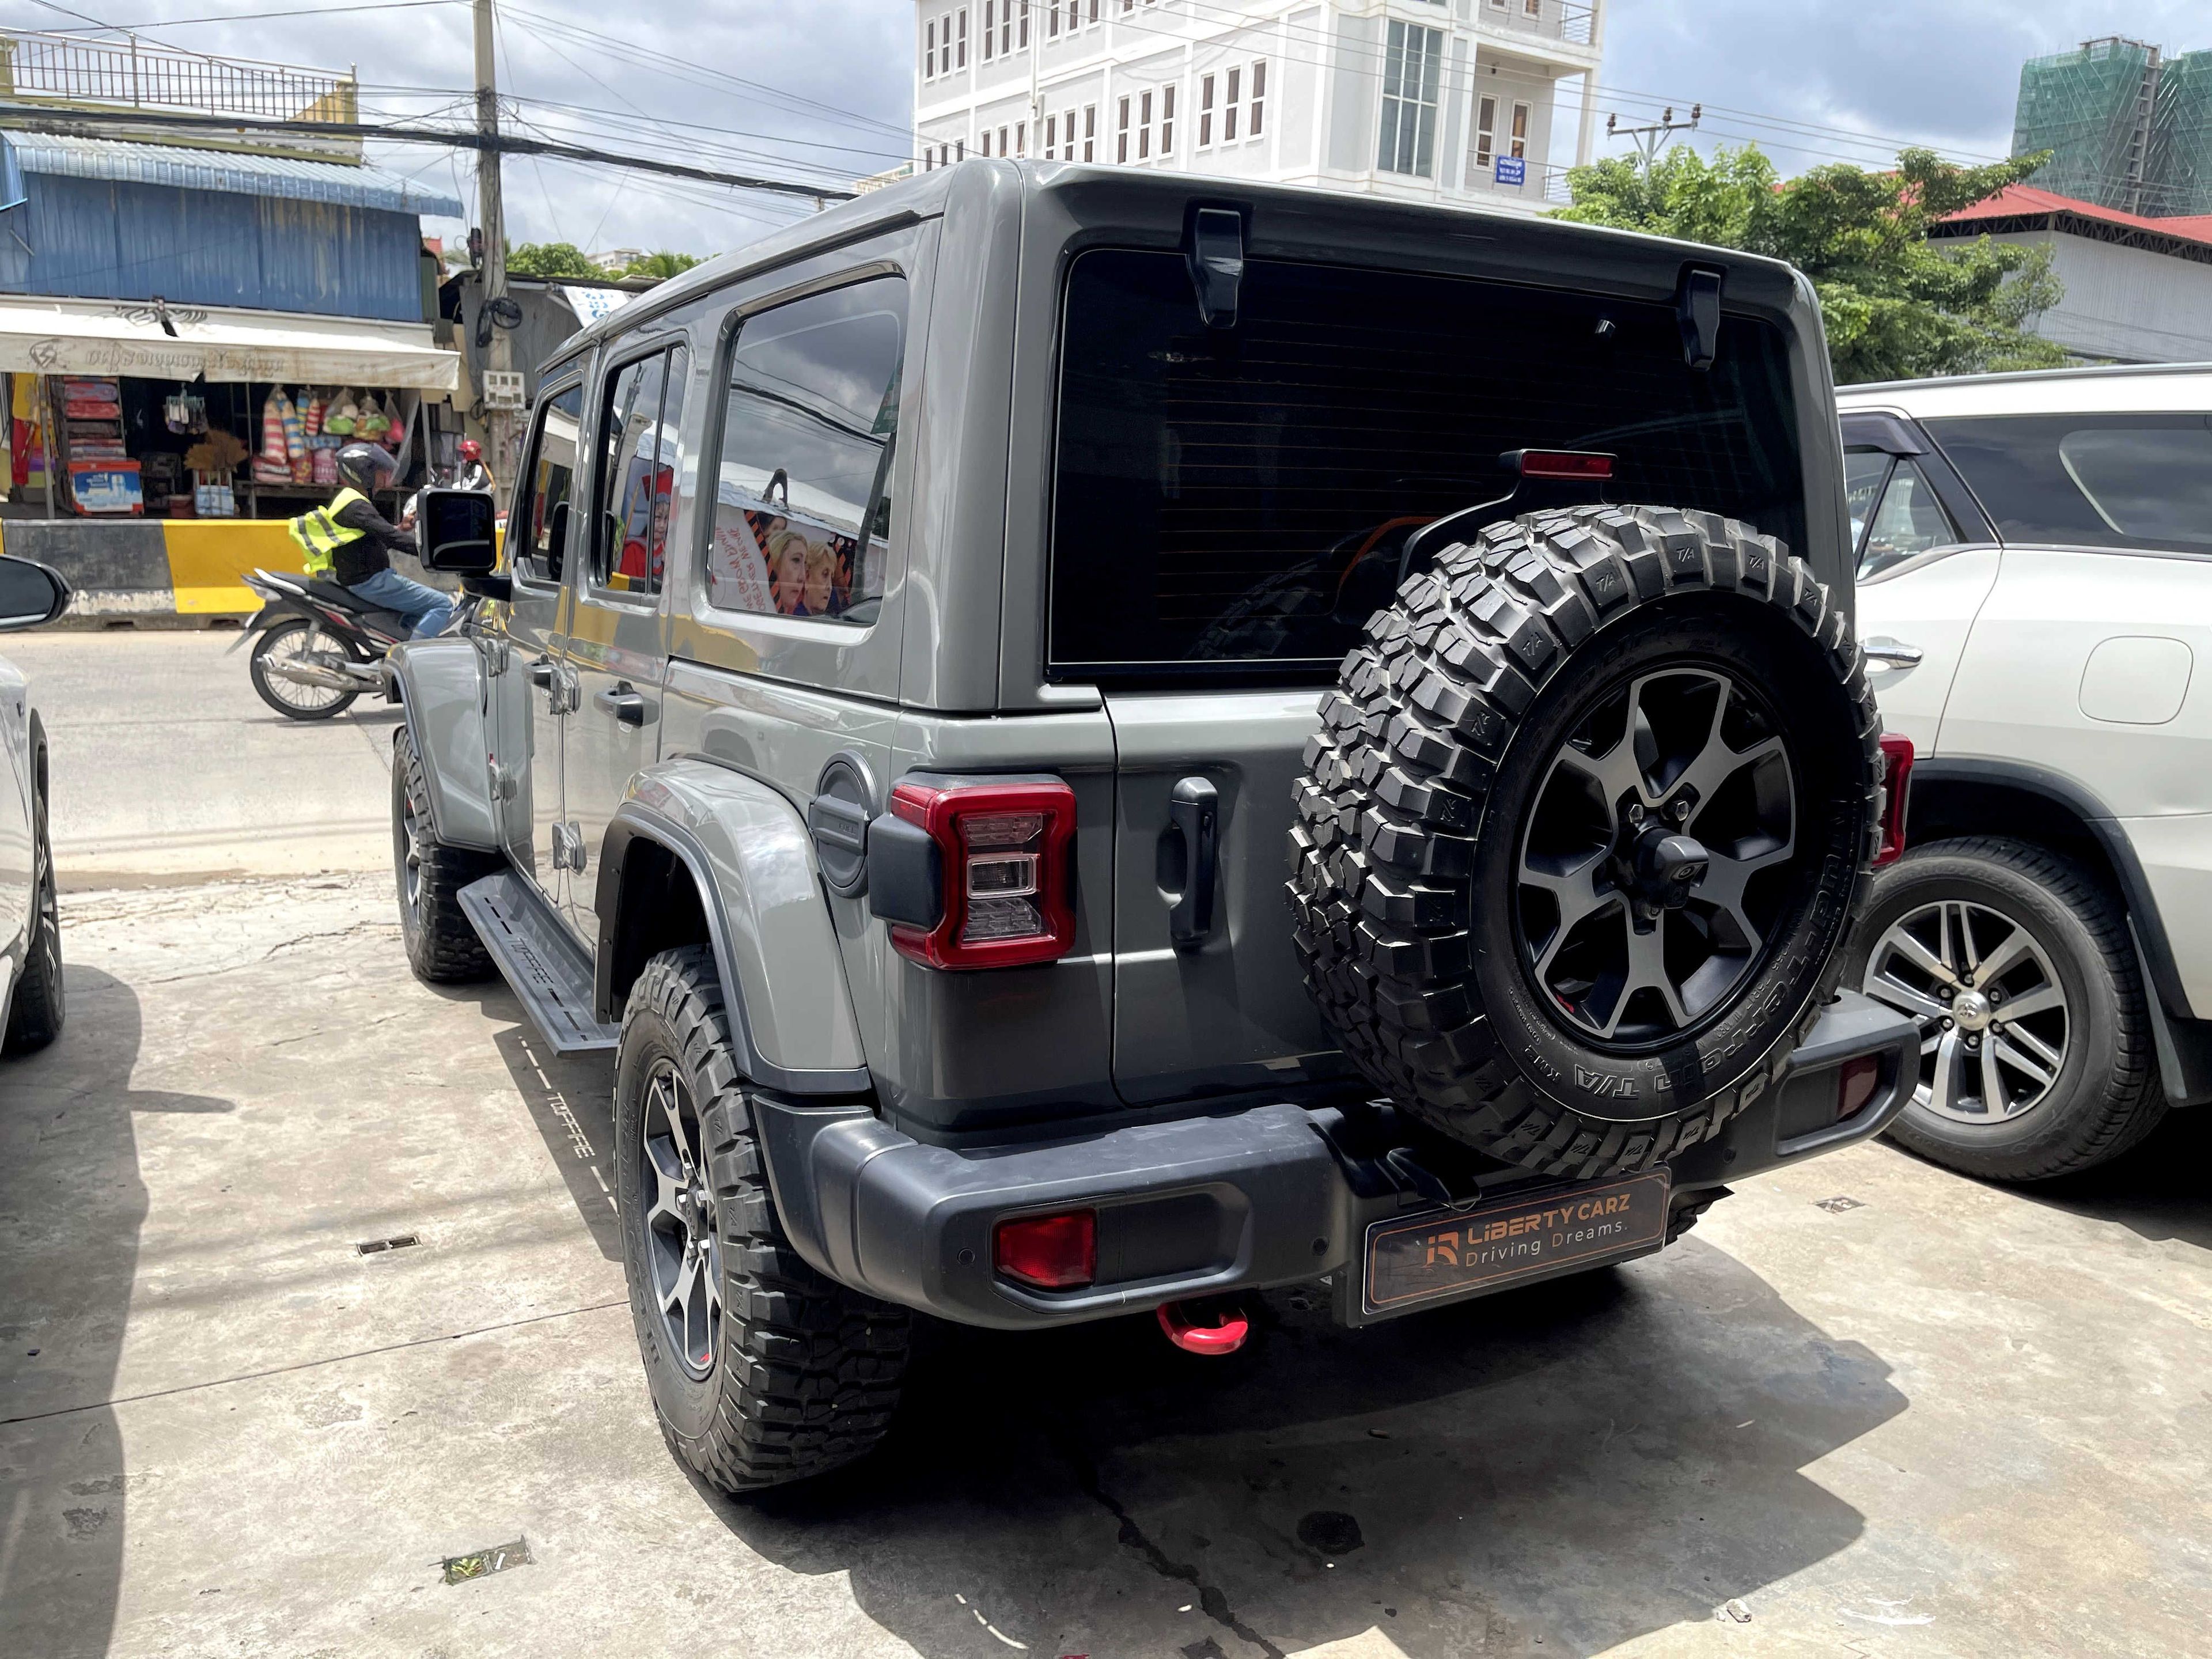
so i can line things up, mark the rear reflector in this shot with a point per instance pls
(1004, 851)
(1897, 785)
(1562, 464)
(1856, 1083)
(1047, 1252)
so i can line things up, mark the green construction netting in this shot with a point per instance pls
(2119, 137)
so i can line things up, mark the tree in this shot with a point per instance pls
(660, 266)
(551, 259)
(1896, 305)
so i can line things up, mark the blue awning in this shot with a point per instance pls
(118, 161)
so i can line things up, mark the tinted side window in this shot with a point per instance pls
(1241, 496)
(802, 510)
(1910, 520)
(643, 409)
(2091, 480)
(551, 480)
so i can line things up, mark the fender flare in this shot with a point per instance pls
(439, 685)
(749, 856)
(2112, 839)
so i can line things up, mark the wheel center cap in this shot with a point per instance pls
(1667, 868)
(1970, 1009)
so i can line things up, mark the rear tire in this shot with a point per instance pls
(2074, 957)
(297, 702)
(40, 1007)
(786, 1373)
(1633, 1019)
(442, 946)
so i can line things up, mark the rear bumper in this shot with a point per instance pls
(1250, 1199)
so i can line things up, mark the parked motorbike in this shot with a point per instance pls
(317, 646)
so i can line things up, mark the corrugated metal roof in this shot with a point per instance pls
(2019, 201)
(121, 162)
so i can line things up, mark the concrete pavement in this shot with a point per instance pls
(1867, 1408)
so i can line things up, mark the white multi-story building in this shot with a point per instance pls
(1421, 99)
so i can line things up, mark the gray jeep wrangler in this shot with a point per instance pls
(917, 636)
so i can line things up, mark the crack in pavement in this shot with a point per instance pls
(1211, 1600)
(276, 950)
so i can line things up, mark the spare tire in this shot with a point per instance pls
(1589, 817)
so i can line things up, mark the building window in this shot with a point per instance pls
(1052, 126)
(1122, 134)
(959, 150)
(1003, 150)
(1204, 112)
(1532, 8)
(929, 50)
(1145, 127)
(1409, 100)
(1520, 144)
(1091, 123)
(963, 38)
(1006, 26)
(944, 155)
(1229, 109)
(990, 33)
(1025, 23)
(983, 144)
(1497, 5)
(1258, 105)
(1167, 120)
(1051, 20)
(1021, 137)
(1485, 129)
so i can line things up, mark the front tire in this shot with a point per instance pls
(299, 637)
(763, 1371)
(2036, 1052)
(442, 946)
(36, 1014)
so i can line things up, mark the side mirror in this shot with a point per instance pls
(456, 531)
(30, 594)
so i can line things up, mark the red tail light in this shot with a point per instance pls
(1564, 464)
(1896, 781)
(1005, 848)
(1047, 1252)
(1856, 1083)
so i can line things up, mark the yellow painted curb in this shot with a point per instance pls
(208, 559)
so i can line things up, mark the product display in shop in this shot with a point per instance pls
(301, 438)
(102, 477)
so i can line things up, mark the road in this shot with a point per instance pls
(1867, 1408)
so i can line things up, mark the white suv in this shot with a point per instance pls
(2035, 597)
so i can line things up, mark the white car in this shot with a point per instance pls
(2035, 600)
(31, 1003)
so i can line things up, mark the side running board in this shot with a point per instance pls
(548, 970)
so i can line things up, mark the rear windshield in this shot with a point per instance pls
(2090, 480)
(1226, 499)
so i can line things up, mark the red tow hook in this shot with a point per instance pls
(1227, 1336)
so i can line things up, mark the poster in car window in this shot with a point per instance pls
(765, 556)
(648, 494)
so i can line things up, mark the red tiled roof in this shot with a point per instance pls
(2023, 201)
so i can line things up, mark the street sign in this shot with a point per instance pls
(1512, 170)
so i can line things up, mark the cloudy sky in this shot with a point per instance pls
(819, 90)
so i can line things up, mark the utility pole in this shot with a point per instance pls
(1650, 140)
(499, 353)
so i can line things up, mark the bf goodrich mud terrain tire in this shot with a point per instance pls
(442, 947)
(2038, 1059)
(773, 1373)
(1497, 753)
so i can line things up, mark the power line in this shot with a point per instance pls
(236, 17)
(32, 118)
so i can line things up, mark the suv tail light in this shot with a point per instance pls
(1047, 1252)
(1897, 781)
(1003, 868)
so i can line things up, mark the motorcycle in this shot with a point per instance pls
(318, 647)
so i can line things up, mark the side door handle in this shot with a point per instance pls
(542, 672)
(1194, 811)
(625, 705)
(1895, 653)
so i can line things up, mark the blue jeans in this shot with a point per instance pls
(424, 610)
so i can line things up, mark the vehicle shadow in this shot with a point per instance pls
(570, 1101)
(1552, 1471)
(71, 1205)
(2158, 1189)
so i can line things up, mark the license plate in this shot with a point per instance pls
(1446, 1252)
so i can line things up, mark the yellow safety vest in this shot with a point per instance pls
(319, 534)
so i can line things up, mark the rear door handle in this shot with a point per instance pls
(1194, 809)
(624, 704)
(542, 672)
(1895, 653)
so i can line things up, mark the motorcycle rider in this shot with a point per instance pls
(351, 543)
(472, 473)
